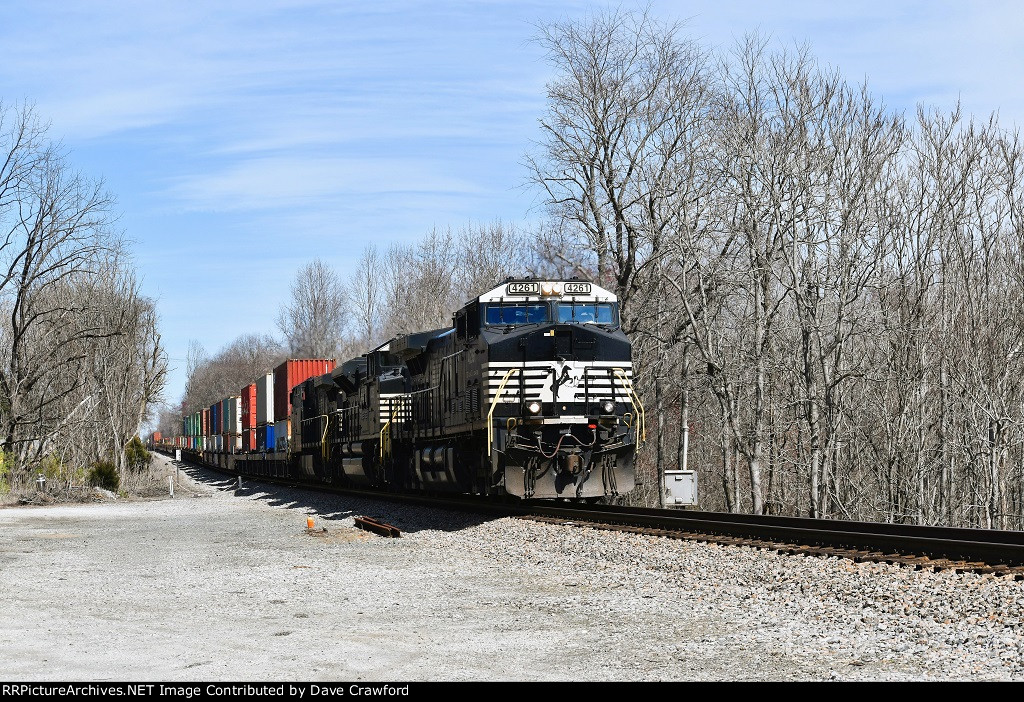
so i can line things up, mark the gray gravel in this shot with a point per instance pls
(230, 586)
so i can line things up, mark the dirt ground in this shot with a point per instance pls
(226, 584)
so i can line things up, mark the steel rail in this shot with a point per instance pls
(871, 539)
(955, 544)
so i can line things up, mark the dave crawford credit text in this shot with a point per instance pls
(211, 690)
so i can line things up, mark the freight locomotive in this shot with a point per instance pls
(529, 394)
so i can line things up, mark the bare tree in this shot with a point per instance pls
(313, 320)
(628, 95)
(211, 379)
(365, 294)
(126, 371)
(55, 236)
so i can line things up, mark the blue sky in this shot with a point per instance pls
(243, 139)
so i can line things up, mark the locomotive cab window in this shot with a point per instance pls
(589, 312)
(517, 313)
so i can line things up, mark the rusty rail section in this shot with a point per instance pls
(378, 527)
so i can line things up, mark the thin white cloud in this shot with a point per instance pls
(284, 182)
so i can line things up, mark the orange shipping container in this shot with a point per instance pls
(291, 373)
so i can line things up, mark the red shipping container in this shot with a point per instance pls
(291, 373)
(206, 422)
(249, 436)
(249, 407)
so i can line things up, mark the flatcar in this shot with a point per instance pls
(529, 394)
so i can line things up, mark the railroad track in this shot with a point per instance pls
(921, 547)
(981, 551)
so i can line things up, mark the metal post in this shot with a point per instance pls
(170, 482)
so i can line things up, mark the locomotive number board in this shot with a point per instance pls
(549, 289)
(576, 288)
(524, 288)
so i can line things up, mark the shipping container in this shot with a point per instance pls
(265, 399)
(249, 440)
(291, 373)
(282, 434)
(205, 429)
(217, 419)
(248, 407)
(232, 413)
(232, 443)
(265, 438)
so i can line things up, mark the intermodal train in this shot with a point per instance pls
(528, 394)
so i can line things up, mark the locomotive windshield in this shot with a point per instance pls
(599, 313)
(517, 313)
(513, 313)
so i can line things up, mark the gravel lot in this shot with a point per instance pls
(217, 585)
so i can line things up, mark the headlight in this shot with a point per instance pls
(534, 407)
(608, 407)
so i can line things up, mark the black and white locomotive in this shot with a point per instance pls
(528, 394)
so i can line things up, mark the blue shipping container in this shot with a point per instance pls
(265, 438)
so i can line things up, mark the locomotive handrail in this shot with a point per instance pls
(323, 439)
(325, 448)
(384, 429)
(628, 385)
(494, 403)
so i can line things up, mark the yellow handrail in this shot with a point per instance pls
(384, 429)
(628, 385)
(494, 403)
(323, 439)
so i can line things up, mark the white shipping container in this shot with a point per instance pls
(233, 420)
(282, 434)
(265, 399)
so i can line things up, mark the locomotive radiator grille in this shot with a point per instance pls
(560, 381)
(397, 404)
